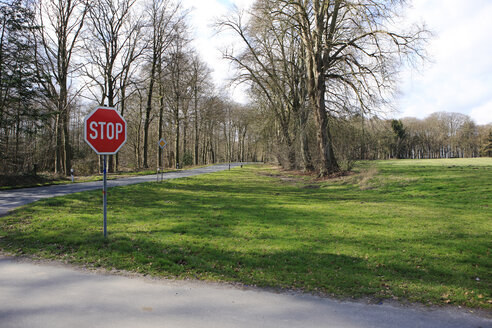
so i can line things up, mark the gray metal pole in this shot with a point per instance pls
(105, 201)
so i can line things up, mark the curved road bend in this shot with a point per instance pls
(10, 199)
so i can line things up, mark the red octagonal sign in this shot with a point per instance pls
(105, 130)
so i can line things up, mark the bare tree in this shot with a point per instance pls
(61, 23)
(349, 52)
(351, 49)
(164, 15)
(177, 79)
(200, 83)
(272, 62)
(113, 35)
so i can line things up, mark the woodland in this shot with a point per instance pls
(321, 78)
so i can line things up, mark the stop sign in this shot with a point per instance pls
(105, 130)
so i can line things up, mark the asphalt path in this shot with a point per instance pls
(56, 295)
(11, 199)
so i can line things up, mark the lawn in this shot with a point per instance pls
(417, 231)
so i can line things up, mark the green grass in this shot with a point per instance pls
(413, 231)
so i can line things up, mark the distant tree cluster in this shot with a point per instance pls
(444, 135)
(440, 135)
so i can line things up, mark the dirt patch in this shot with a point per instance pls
(336, 175)
(307, 180)
(365, 178)
(312, 186)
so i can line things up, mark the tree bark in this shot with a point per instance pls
(161, 122)
(58, 144)
(329, 164)
(177, 139)
(148, 110)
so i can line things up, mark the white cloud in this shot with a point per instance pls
(482, 113)
(460, 77)
(203, 15)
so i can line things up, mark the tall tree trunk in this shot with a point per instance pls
(161, 122)
(243, 145)
(66, 143)
(196, 127)
(177, 140)
(122, 111)
(58, 144)
(65, 122)
(111, 96)
(185, 136)
(306, 156)
(329, 164)
(307, 161)
(148, 111)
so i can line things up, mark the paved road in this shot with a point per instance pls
(11, 199)
(50, 295)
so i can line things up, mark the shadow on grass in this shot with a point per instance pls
(242, 233)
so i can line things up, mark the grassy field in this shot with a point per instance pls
(416, 231)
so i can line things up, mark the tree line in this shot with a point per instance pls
(59, 59)
(319, 74)
(440, 135)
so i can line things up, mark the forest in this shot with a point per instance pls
(321, 75)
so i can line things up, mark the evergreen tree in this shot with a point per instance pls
(400, 136)
(19, 113)
(487, 148)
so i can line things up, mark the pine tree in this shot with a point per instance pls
(400, 136)
(487, 148)
(19, 113)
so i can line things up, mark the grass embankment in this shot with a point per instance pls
(408, 230)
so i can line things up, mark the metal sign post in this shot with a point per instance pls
(162, 143)
(105, 199)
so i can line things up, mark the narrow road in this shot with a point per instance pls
(53, 295)
(11, 199)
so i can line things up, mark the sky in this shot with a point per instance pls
(457, 77)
